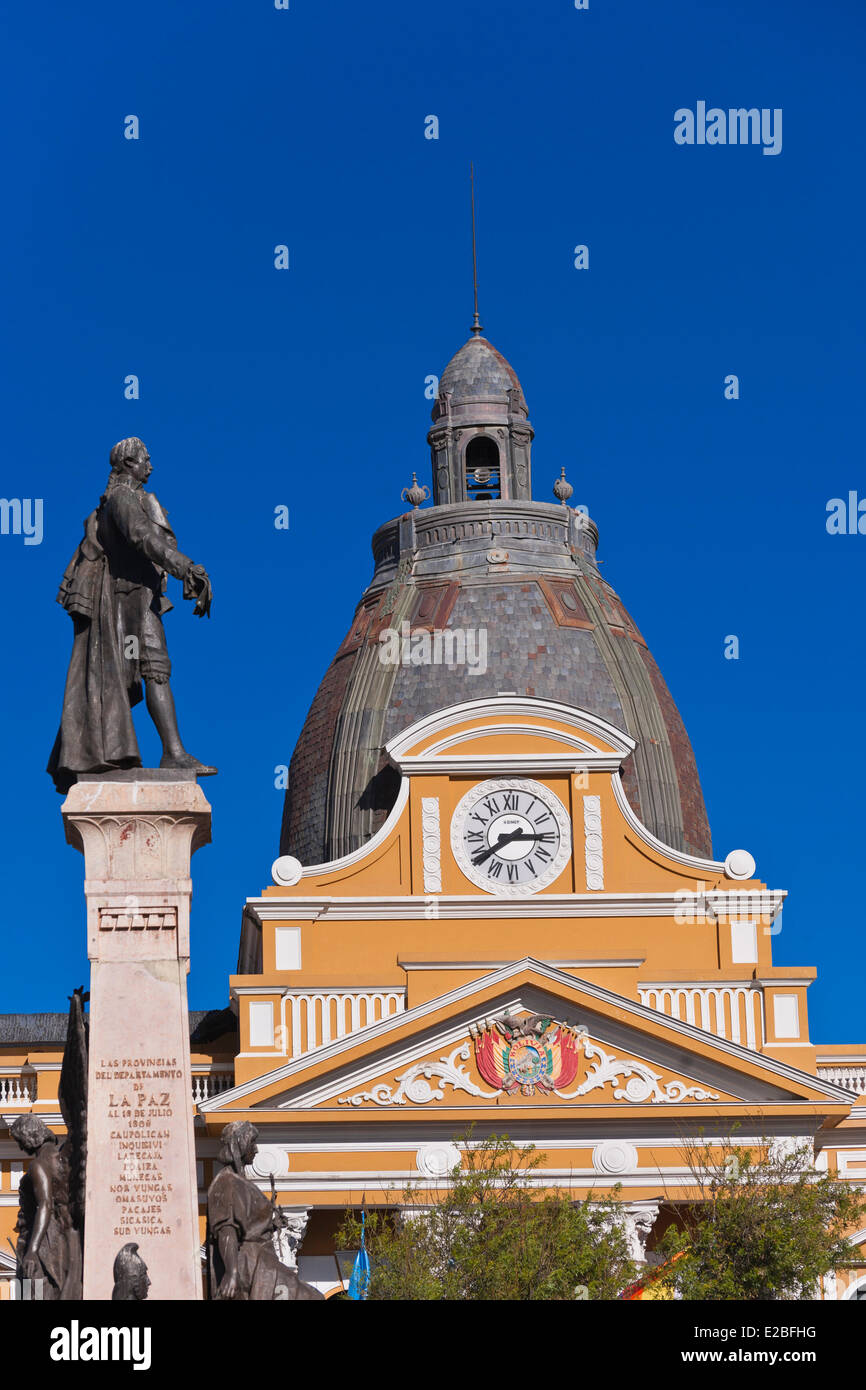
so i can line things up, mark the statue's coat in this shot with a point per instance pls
(113, 589)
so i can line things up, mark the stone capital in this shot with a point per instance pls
(137, 838)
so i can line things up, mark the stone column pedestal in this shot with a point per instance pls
(138, 831)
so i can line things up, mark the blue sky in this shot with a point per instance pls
(306, 387)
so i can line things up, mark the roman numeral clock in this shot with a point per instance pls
(511, 836)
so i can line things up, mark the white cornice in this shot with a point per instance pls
(238, 990)
(787, 980)
(477, 905)
(639, 1012)
(521, 730)
(500, 964)
(50, 1117)
(498, 764)
(717, 983)
(521, 708)
(744, 902)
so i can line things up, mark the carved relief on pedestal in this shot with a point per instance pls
(136, 830)
(135, 915)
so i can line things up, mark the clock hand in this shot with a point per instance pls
(504, 840)
(486, 853)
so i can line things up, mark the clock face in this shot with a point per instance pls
(511, 836)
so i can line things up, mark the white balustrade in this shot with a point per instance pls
(730, 1011)
(850, 1075)
(210, 1083)
(17, 1089)
(315, 1017)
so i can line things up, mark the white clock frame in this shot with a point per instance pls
(474, 873)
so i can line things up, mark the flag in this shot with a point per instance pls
(360, 1280)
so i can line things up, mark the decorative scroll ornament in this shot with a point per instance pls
(414, 1084)
(643, 1083)
(526, 1054)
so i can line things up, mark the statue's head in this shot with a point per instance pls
(30, 1133)
(239, 1141)
(130, 1276)
(130, 456)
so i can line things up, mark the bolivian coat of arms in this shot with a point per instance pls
(526, 1054)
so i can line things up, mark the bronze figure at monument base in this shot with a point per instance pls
(48, 1252)
(242, 1223)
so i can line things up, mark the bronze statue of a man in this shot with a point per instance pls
(114, 591)
(242, 1223)
(49, 1246)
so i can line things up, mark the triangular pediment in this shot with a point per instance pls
(529, 1035)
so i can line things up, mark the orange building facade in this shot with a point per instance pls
(367, 987)
(507, 946)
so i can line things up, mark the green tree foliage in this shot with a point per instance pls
(491, 1235)
(768, 1225)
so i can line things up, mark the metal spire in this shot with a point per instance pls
(476, 322)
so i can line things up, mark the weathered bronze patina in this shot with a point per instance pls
(242, 1222)
(114, 591)
(130, 1276)
(48, 1252)
(51, 1193)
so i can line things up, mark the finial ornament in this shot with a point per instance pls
(562, 490)
(476, 322)
(416, 494)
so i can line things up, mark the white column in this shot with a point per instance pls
(137, 833)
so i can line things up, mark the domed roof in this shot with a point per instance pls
(479, 371)
(553, 629)
(523, 574)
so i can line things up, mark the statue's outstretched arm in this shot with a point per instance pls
(137, 528)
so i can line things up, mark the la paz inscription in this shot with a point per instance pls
(139, 1103)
